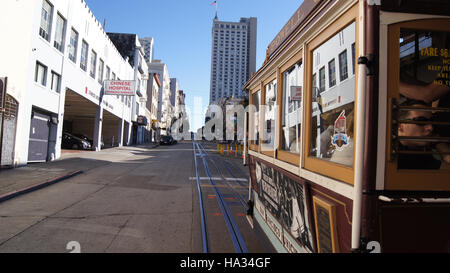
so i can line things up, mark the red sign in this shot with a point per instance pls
(296, 93)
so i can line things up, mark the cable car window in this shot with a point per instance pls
(291, 118)
(333, 105)
(421, 133)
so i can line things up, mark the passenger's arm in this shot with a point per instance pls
(427, 93)
(444, 148)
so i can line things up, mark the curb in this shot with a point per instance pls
(13, 194)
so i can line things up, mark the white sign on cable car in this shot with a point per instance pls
(122, 88)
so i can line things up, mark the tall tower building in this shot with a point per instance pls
(233, 57)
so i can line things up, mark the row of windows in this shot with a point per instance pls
(40, 76)
(59, 43)
(230, 26)
(330, 129)
(233, 34)
(230, 31)
(226, 84)
(227, 37)
(230, 41)
(343, 71)
(224, 67)
(226, 95)
(226, 78)
(238, 56)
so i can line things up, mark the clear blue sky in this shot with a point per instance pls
(182, 32)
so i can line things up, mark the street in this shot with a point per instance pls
(133, 199)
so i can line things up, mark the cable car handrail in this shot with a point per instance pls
(424, 139)
(422, 152)
(422, 108)
(445, 123)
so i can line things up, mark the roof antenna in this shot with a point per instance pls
(216, 4)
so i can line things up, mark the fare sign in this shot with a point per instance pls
(123, 88)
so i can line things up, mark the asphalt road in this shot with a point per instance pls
(130, 199)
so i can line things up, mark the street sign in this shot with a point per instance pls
(141, 120)
(122, 88)
(296, 93)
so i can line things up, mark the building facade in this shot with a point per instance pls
(131, 49)
(164, 105)
(153, 87)
(54, 63)
(233, 57)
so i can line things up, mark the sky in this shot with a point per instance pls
(182, 33)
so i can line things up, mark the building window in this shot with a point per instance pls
(343, 69)
(46, 20)
(93, 64)
(100, 71)
(40, 75)
(73, 45)
(60, 33)
(84, 55)
(332, 73)
(322, 79)
(56, 82)
(108, 72)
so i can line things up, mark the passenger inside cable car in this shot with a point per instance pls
(423, 83)
(416, 160)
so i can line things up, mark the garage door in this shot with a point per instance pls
(39, 134)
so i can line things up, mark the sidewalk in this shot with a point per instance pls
(34, 176)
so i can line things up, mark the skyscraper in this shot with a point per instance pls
(233, 57)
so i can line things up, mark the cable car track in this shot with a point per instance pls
(235, 193)
(235, 234)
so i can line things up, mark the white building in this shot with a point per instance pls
(132, 50)
(233, 57)
(164, 113)
(153, 87)
(56, 57)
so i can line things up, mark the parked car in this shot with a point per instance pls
(89, 140)
(70, 141)
(167, 140)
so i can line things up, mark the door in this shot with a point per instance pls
(8, 132)
(418, 133)
(39, 135)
